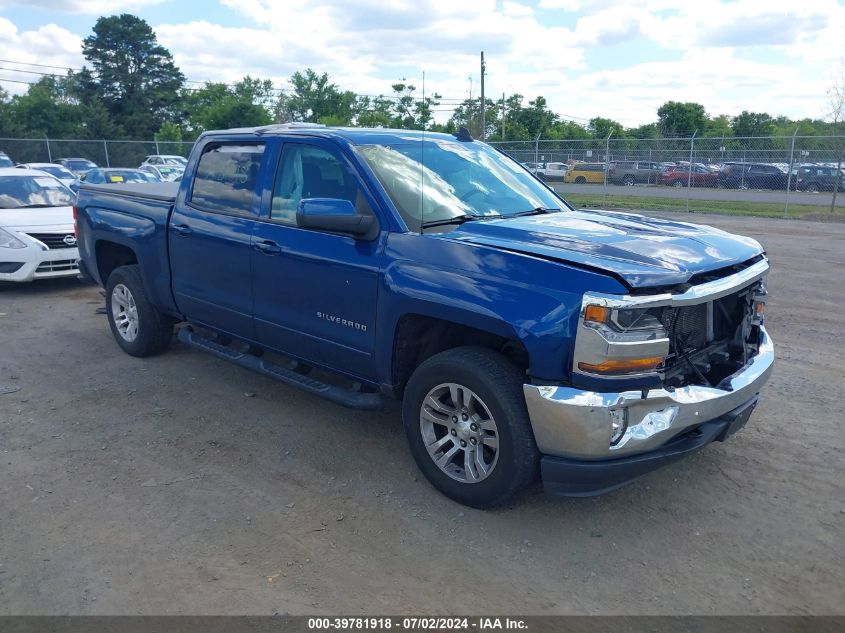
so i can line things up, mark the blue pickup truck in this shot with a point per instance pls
(525, 338)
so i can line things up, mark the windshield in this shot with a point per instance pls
(170, 173)
(33, 191)
(5, 161)
(436, 180)
(175, 160)
(81, 165)
(56, 170)
(124, 175)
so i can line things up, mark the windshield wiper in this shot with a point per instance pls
(534, 211)
(458, 219)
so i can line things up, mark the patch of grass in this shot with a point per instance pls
(724, 207)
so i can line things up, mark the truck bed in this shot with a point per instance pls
(162, 191)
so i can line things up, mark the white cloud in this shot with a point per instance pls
(744, 54)
(516, 9)
(89, 7)
(49, 45)
(566, 5)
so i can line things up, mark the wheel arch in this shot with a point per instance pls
(419, 336)
(109, 255)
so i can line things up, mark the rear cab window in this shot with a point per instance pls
(226, 178)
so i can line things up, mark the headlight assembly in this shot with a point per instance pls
(620, 341)
(7, 240)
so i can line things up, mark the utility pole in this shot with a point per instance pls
(503, 116)
(789, 173)
(483, 125)
(689, 170)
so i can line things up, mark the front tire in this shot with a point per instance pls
(467, 426)
(580, 180)
(137, 325)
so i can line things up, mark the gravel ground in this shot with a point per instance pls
(181, 484)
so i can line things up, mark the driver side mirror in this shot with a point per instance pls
(333, 214)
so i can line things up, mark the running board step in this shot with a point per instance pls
(345, 397)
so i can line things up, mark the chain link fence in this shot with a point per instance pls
(774, 170)
(103, 152)
(706, 150)
(805, 170)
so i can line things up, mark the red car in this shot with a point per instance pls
(679, 176)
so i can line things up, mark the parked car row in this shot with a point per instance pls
(729, 175)
(164, 167)
(36, 210)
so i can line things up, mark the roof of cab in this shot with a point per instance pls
(354, 135)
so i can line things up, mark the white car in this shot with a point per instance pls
(57, 171)
(157, 160)
(36, 226)
(163, 173)
(552, 171)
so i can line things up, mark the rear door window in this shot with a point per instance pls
(227, 177)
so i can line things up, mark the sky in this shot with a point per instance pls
(589, 58)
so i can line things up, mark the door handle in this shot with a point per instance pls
(268, 247)
(182, 229)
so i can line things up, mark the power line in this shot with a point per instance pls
(279, 89)
(445, 101)
(17, 81)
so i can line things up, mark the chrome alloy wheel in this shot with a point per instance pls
(124, 312)
(459, 433)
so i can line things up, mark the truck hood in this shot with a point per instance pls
(644, 252)
(35, 218)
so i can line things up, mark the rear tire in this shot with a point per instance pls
(580, 180)
(678, 183)
(137, 325)
(467, 426)
(812, 188)
(628, 181)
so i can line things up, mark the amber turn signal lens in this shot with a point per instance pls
(597, 314)
(628, 366)
(759, 307)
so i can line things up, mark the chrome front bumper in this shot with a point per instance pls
(575, 424)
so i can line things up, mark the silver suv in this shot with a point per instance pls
(630, 172)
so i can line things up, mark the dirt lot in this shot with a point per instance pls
(182, 484)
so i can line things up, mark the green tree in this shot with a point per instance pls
(315, 97)
(218, 106)
(45, 110)
(514, 130)
(169, 133)
(680, 119)
(372, 111)
(409, 112)
(134, 75)
(537, 118)
(752, 124)
(468, 115)
(647, 130)
(718, 126)
(600, 127)
(566, 129)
